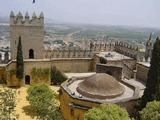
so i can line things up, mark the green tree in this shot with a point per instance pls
(57, 77)
(152, 91)
(107, 112)
(44, 101)
(19, 63)
(151, 111)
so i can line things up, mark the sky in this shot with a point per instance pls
(138, 13)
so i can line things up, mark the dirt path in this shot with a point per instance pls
(22, 103)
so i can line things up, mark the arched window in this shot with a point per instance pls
(27, 80)
(31, 54)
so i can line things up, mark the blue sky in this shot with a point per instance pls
(142, 13)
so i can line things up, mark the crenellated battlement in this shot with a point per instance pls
(69, 53)
(26, 20)
(126, 45)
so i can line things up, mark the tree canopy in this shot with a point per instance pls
(19, 62)
(102, 60)
(152, 91)
(107, 112)
(57, 77)
(151, 111)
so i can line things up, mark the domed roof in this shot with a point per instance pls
(100, 86)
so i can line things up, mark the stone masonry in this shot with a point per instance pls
(31, 33)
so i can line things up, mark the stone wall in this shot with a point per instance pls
(142, 72)
(111, 70)
(64, 65)
(128, 65)
(69, 53)
(74, 109)
(106, 46)
(127, 49)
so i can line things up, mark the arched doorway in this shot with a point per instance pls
(27, 80)
(31, 54)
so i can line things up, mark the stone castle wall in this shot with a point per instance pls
(76, 65)
(115, 71)
(127, 49)
(142, 72)
(107, 46)
(124, 48)
(69, 53)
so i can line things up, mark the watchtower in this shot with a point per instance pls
(31, 33)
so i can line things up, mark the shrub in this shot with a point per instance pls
(43, 100)
(103, 60)
(107, 112)
(7, 104)
(151, 111)
(57, 77)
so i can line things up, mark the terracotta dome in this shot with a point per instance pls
(100, 86)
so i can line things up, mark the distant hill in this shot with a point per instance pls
(4, 19)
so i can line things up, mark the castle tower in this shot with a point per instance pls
(31, 33)
(148, 48)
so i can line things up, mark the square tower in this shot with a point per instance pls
(31, 33)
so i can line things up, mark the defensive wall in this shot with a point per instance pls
(142, 71)
(72, 65)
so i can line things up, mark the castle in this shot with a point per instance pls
(120, 60)
(30, 30)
